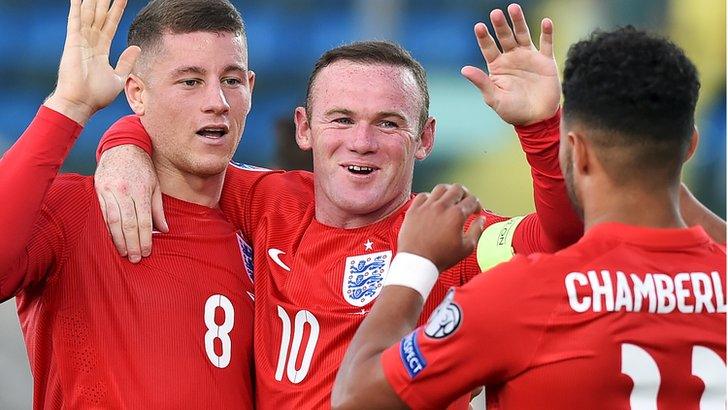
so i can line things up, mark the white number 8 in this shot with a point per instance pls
(215, 331)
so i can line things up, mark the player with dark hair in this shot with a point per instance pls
(631, 316)
(323, 243)
(101, 332)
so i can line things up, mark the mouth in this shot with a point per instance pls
(359, 169)
(213, 132)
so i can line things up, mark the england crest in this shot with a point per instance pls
(363, 277)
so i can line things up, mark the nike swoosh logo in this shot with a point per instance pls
(275, 255)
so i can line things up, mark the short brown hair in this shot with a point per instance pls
(181, 17)
(375, 52)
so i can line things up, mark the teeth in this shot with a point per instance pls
(357, 168)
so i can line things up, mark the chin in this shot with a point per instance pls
(208, 169)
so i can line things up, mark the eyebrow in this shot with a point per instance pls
(350, 113)
(201, 71)
(341, 111)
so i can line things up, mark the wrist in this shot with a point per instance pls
(550, 122)
(78, 112)
(412, 271)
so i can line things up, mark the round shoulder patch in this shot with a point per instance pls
(445, 320)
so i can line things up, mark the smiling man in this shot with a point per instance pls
(632, 316)
(323, 243)
(101, 332)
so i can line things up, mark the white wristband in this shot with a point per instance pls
(412, 271)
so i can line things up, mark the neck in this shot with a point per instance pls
(336, 216)
(201, 190)
(654, 207)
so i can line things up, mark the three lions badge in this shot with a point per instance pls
(363, 277)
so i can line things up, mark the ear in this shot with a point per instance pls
(427, 140)
(694, 140)
(581, 153)
(303, 129)
(134, 90)
(251, 85)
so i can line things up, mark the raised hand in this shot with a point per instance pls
(523, 86)
(86, 80)
(433, 226)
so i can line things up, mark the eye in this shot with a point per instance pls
(232, 82)
(344, 120)
(191, 83)
(388, 124)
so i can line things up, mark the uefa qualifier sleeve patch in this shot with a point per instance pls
(412, 358)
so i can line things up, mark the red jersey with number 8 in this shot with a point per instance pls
(628, 317)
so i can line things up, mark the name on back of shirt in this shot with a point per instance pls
(608, 291)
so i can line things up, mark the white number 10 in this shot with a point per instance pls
(302, 317)
(643, 370)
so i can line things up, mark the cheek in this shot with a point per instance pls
(238, 100)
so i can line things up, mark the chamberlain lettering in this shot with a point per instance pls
(604, 290)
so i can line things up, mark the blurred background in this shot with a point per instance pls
(285, 38)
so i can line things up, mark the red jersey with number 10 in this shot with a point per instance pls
(627, 317)
(314, 283)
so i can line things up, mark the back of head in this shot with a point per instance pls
(160, 17)
(374, 53)
(635, 93)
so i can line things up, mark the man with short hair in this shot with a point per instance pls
(323, 243)
(175, 332)
(631, 316)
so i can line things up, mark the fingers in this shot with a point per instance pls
(143, 210)
(472, 235)
(102, 7)
(110, 209)
(546, 42)
(469, 205)
(126, 62)
(88, 13)
(112, 19)
(482, 82)
(520, 28)
(158, 218)
(453, 194)
(486, 43)
(503, 31)
(130, 227)
(74, 17)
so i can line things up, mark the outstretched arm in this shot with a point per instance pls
(523, 87)
(431, 239)
(86, 83)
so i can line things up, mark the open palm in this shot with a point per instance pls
(523, 86)
(86, 80)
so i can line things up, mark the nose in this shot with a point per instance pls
(215, 101)
(363, 140)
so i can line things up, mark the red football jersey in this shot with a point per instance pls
(628, 317)
(314, 283)
(172, 332)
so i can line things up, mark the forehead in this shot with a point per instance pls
(202, 48)
(376, 87)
